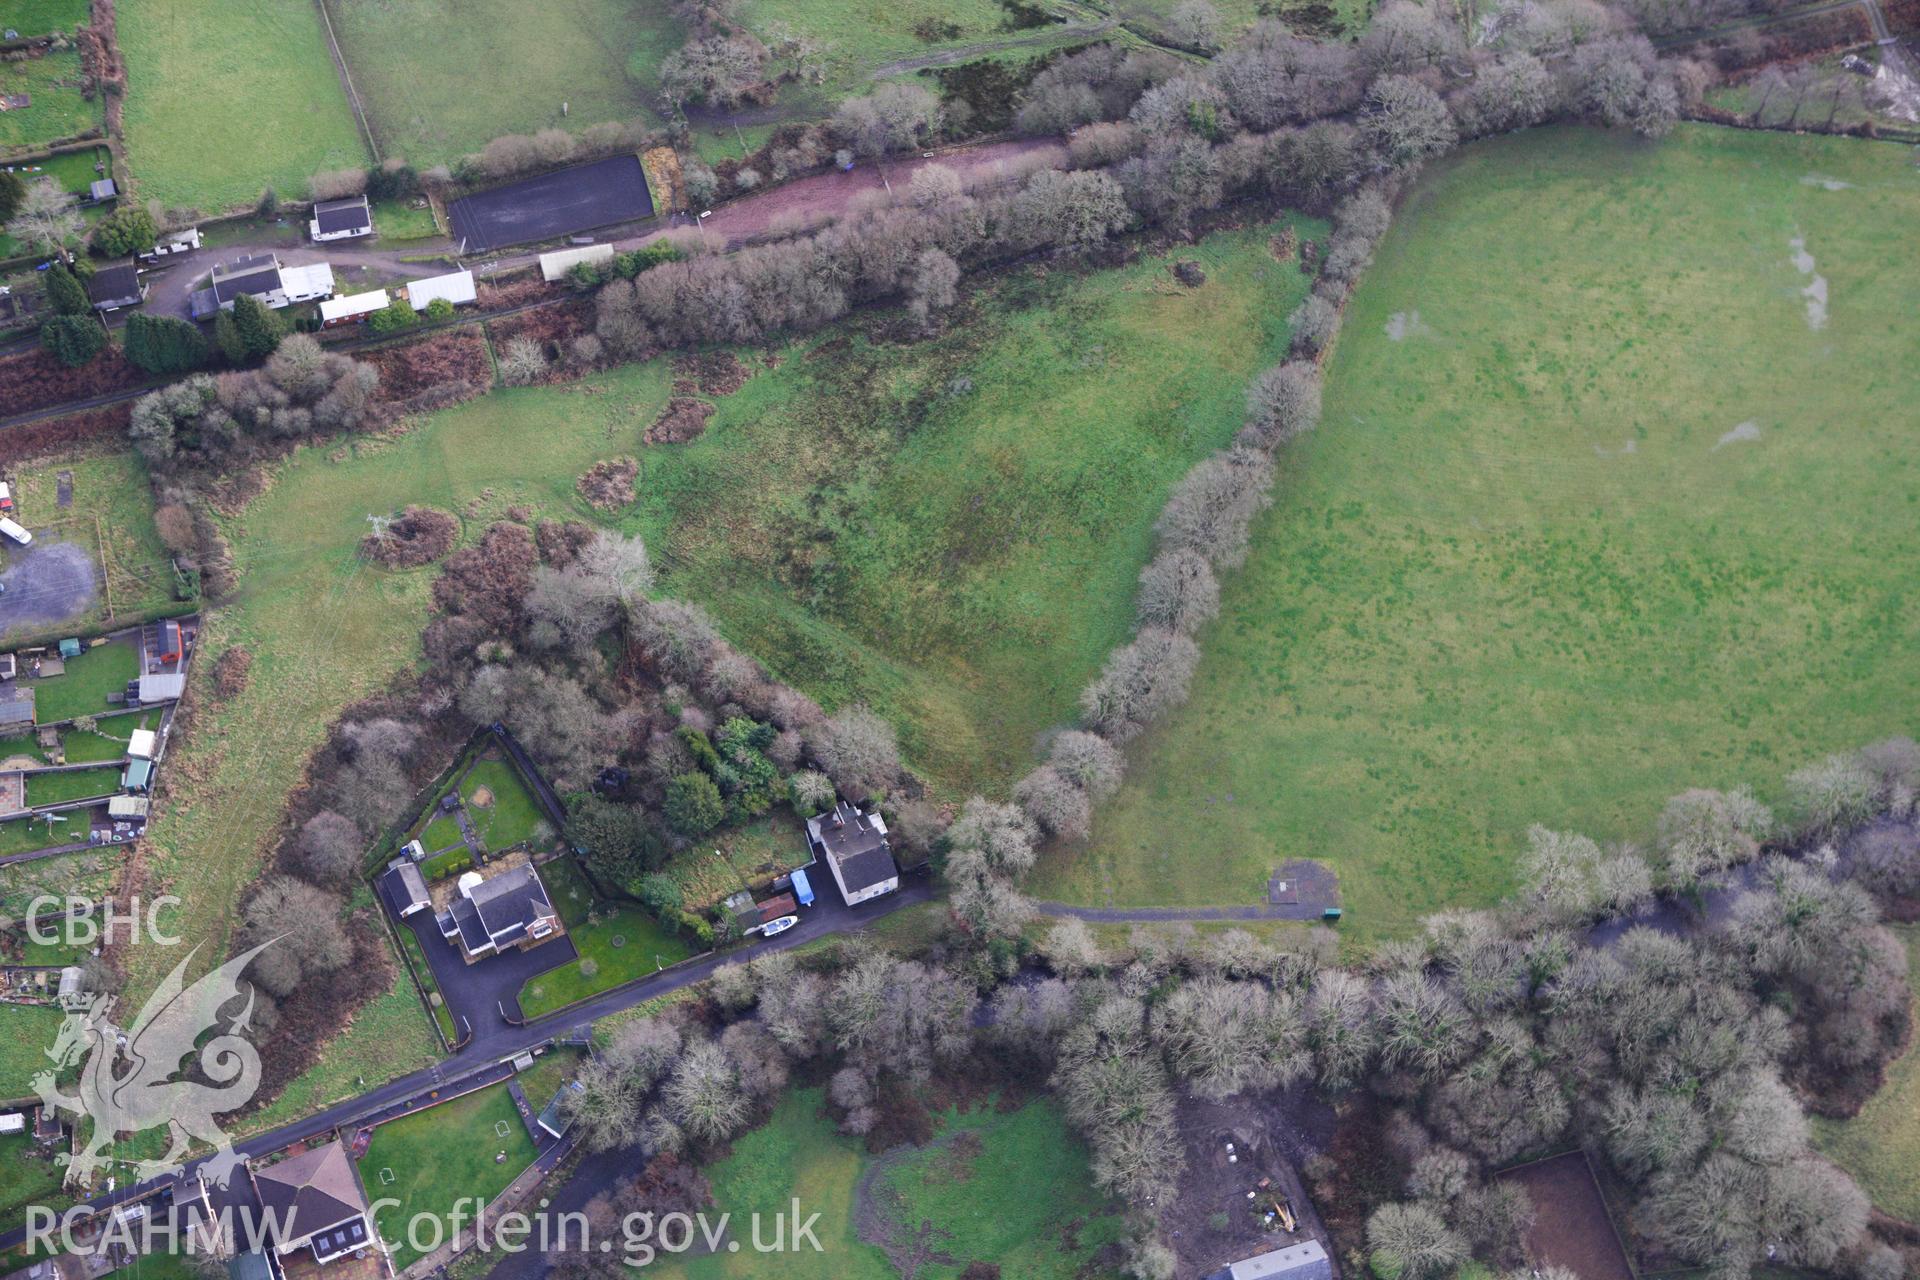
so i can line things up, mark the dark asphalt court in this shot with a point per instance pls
(552, 205)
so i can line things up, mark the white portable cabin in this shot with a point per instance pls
(456, 287)
(554, 266)
(140, 744)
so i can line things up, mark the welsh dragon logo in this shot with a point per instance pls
(128, 1078)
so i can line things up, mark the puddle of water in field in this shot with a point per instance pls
(1816, 291)
(1405, 324)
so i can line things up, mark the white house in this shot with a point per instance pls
(456, 287)
(854, 846)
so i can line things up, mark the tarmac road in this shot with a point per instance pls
(501, 1040)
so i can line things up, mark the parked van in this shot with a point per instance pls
(802, 888)
(15, 531)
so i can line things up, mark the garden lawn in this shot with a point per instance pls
(26, 1177)
(83, 688)
(513, 814)
(75, 784)
(549, 1071)
(975, 1183)
(31, 1030)
(950, 530)
(58, 110)
(1880, 1146)
(622, 944)
(441, 834)
(440, 1157)
(225, 97)
(389, 1037)
(110, 499)
(1595, 514)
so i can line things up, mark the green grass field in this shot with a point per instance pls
(1594, 515)
(225, 97)
(441, 1156)
(58, 109)
(110, 501)
(38, 17)
(512, 817)
(1880, 1146)
(617, 942)
(413, 62)
(950, 530)
(975, 1183)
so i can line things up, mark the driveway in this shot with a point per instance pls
(481, 995)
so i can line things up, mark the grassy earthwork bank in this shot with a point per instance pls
(1611, 498)
(974, 1183)
(433, 1160)
(225, 97)
(1880, 1147)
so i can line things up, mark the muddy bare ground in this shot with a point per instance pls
(1211, 1222)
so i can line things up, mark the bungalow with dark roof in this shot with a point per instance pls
(116, 286)
(493, 913)
(313, 1201)
(855, 849)
(341, 219)
(262, 276)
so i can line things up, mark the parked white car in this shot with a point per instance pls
(15, 531)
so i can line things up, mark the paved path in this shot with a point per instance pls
(1126, 915)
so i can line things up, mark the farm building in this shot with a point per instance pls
(554, 266)
(262, 276)
(128, 808)
(341, 219)
(1305, 1261)
(492, 914)
(854, 846)
(456, 287)
(137, 777)
(102, 189)
(551, 205)
(12, 1122)
(116, 286)
(355, 306)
